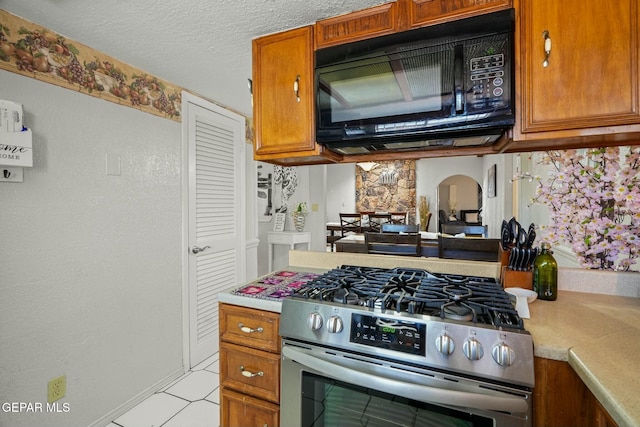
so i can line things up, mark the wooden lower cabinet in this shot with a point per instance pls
(560, 398)
(249, 367)
(243, 411)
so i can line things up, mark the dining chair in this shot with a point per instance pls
(398, 217)
(399, 228)
(393, 244)
(469, 230)
(350, 223)
(376, 220)
(470, 216)
(468, 248)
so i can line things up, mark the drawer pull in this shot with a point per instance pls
(249, 374)
(248, 330)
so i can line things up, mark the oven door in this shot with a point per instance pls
(328, 388)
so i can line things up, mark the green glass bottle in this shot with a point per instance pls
(545, 274)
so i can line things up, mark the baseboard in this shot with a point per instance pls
(105, 420)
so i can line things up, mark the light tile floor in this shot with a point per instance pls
(191, 401)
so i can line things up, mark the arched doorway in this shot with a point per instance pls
(456, 194)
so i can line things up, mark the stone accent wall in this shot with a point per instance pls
(389, 187)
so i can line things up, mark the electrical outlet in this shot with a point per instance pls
(56, 389)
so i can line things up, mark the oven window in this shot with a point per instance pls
(332, 403)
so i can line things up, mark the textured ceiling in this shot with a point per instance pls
(201, 45)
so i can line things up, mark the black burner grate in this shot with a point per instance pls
(464, 298)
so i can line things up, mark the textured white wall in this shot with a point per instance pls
(341, 190)
(90, 272)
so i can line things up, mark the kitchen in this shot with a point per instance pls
(99, 254)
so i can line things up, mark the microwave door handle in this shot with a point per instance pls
(409, 390)
(458, 73)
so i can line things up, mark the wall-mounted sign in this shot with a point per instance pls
(16, 148)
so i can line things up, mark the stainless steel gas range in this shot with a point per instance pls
(367, 346)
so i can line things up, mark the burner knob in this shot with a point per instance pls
(314, 321)
(503, 355)
(473, 349)
(334, 324)
(445, 344)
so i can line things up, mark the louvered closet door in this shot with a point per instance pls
(215, 220)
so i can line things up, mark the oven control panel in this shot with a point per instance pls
(391, 334)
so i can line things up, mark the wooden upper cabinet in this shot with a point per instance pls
(364, 24)
(401, 15)
(591, 79)
(283, 66)
(430, 12)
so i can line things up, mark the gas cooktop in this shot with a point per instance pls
(456, 323)
(404, 290)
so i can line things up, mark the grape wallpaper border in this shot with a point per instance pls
(30, 50)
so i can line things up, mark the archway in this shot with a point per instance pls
(459, 194)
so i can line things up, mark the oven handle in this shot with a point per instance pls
(409, 390)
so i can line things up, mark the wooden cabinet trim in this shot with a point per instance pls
(364, 24)
(431, 12)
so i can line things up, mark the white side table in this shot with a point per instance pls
(290, 238)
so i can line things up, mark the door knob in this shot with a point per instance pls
(197, 249)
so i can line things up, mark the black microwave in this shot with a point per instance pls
(449, 85)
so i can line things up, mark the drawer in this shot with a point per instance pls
(240, 410)
(249, 327)
(250, 371)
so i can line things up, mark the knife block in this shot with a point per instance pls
(513, 278)
(516, 279)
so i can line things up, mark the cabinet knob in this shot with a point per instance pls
(547, 48)
(250, 374)
(248, 330)
(296, 87)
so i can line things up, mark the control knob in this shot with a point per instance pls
(503, 355)
(445, 344)
(334, 325)
(314, 321)
(473, 349)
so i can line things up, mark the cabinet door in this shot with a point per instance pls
(592, 74)
(560, 398)
(245, 411)
(254, 372)
(364, 24)
(430, 12)
(283, 115)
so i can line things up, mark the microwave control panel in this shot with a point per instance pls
(487, 85)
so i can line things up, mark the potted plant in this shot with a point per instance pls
(299, 213)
